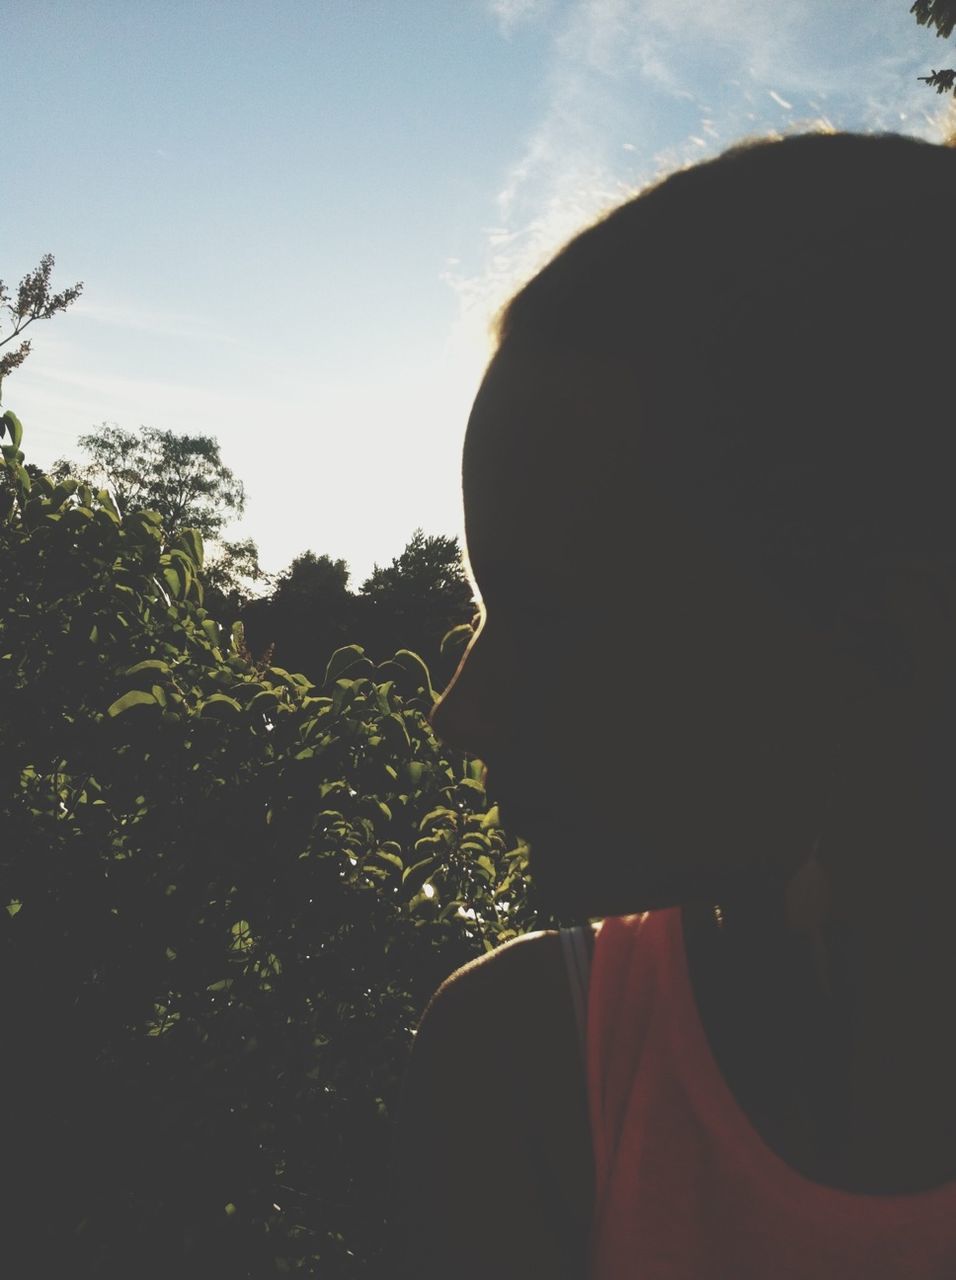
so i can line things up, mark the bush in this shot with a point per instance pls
(227, 895)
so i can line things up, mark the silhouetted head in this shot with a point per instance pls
(708, 505)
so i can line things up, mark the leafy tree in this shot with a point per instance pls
(310, 613)
(227, 893)
(411, 604)
(181, 477)
(311, 580)
(184, 479)
(940, 14)
(229, 577)
(34, 301)
(422, 594)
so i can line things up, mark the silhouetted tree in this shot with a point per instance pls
(226, 579)
(411, 604)
(309, 615)
(416, 600)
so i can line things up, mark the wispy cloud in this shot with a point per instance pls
(516, 13)
(166, 324)
(636, 88)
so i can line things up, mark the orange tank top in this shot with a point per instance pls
(685, 1187)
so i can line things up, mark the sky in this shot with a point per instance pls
(295, 222)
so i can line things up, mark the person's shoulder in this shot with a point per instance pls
(504, 1002)
(496, 986)
(494, 1042)
(493, 987)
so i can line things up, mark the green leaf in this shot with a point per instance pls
(332, 788)
(414, 877)
(293, 681)
(149, 664)
(456, 640)
(341, 660)
(135, 698)
(392, 858)
(173, 581)
(65, 489)
(107, 505)
(469, 785)
(190, 541)
(491, 819)
(395, 733)
(413, 669)
(343, 693)
(12, 424)
(432, 845)
(265, 700)
(442, 813)
(219, 704)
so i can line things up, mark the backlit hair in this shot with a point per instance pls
(784, 312)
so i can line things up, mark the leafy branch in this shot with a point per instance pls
(34, 301)
(940, 14)
(942, 81)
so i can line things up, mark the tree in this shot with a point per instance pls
(411, 604)
(940, 14)
(34, 301)
(183, 478)
(419, 597)
(312, 580)
(229, 576)
(310, 613)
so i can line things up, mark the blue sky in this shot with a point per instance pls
(295, 221)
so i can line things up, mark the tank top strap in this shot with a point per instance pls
(577, 943)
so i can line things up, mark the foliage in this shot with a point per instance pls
(311, 577)
(418, 597)
(227, 576)
(182, 477)
(411, 604)
(940, 14)
(34, 301)
(941, 81)
(426, 563)
(309, 614)
(228, 894)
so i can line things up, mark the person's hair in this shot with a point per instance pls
(784, 318)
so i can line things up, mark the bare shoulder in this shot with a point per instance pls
(526, 966)
(492, 1146)
(502, 976)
